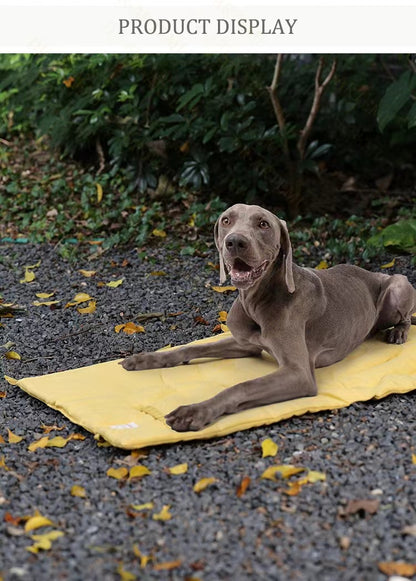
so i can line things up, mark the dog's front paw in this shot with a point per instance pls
(398, 334)
(139, 361)
(188, 418)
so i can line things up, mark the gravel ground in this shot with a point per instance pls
(365, 451)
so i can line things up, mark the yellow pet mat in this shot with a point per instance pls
(127, 408)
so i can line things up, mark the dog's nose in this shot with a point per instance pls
(236, 243)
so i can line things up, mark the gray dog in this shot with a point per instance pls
(304, 318)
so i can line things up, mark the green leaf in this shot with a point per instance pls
(395, 98)
(411, 116)
(401, 235)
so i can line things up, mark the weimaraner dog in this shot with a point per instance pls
(304, 318)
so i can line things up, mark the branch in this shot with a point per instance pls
(320, 87)
(278, 110)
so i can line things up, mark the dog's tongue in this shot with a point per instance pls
(240, 271)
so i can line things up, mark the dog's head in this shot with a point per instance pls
(249, 240)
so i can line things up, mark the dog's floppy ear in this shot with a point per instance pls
(287, 256)
(223, 274)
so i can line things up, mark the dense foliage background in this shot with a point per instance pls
(123, 137)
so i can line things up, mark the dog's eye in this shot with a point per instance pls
(225, 221)
(264, 224)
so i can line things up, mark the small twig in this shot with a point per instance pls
(278, 110)
(81, 332)
(319, 91)
(39, 357)
(6, 311)
(101, 156)
(5, 142)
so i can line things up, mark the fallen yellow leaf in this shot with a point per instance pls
(144, 559)
(159, 233)
(158, 273)
(12, 355)
(44, 542)
(164, 514)
(223, 289)
(29, 275)
(45, 295)
(315, 476)
(36, 522)
(203, 483)
(139, 471)
(167, 565)
(13, 438)
(44, 303)
(269, 448)
(79, 491)
(57, 442)
(389, 264)
(117, 473)
(10, 380)
(3, 463)
(222, 316)
(125, 575)
(179, 469)
(115, 283)
(41, 443)
(87, 273)
(129, 328)
(99, 192)
(91, 308)
(145, 506)
(413, 458)
(322, 265)
(79, 298)
(285, 471)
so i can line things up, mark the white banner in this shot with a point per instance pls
(223, 27)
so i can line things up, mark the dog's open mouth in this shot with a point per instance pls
(244, 275)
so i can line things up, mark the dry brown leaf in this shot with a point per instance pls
(158, 273)
(168, 565)
(3, 463)
(48, 429)
(3, 394)
(397, 568)
(369, 506)
(409, 530)
(2, 441)
(244, 484)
